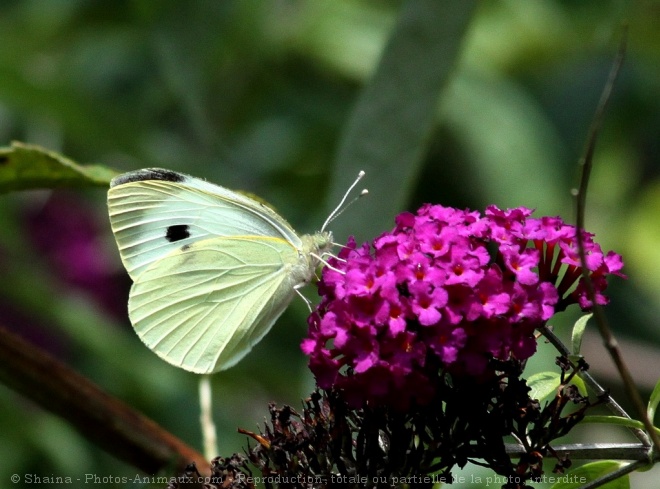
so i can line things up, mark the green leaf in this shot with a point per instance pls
(25, 166)
(581, 386)
(653, 402)
(617, 420)
(614, 420)
(588, 472)
(543, 384)
(389, 130)
(578, 332)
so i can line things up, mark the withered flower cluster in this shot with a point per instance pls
(330, 444)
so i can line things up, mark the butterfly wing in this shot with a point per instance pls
(203, 306)
(154, 212)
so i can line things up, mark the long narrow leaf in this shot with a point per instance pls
(578, 332)
(589, 472)
(653, 402)
(388, 132)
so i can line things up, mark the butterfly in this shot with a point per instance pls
(212, 269)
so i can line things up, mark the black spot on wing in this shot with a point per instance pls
(177, 232)
(148, 174)
(4, 159)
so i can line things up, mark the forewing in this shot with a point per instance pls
(155, 212)
(203, 307)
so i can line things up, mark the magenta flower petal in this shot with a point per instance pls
(446, 291)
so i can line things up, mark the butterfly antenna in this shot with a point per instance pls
(341, 208)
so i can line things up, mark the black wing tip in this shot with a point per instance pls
(148, 174)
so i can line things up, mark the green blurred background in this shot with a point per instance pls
(255, 95)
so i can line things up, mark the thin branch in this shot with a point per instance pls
(586, 164)
(114, 426)
(593, 451)
(593, 384)
(638, 453)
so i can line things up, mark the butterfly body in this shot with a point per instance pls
(212, 269)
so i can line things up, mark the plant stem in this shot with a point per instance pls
(596, 388)
(209, 434)
(586, 164)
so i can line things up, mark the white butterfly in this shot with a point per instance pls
(212, 269)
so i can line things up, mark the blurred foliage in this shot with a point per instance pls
(257, 95)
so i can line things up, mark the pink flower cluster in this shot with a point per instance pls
(446, 291)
